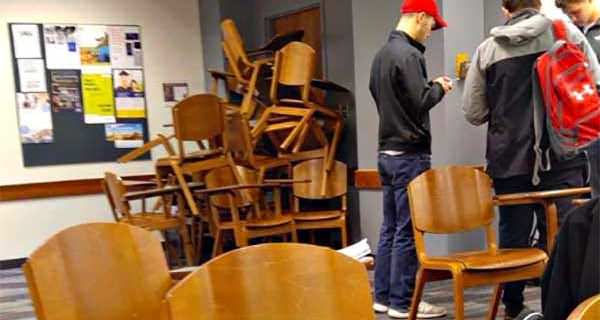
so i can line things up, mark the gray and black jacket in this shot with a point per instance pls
(498, 91)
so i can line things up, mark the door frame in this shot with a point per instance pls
(268, 29)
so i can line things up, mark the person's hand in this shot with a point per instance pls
(446, 83)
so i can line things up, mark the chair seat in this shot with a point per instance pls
(268, 222)
(260, 161)
(152, 221)
(317, 215)
(503, 259)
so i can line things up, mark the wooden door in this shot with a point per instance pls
(309, 20)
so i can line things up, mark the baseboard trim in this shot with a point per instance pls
(12, 264)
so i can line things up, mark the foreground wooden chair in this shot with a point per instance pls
(458, 199)
(587, 310)
(274, 281)
(99, 271)
(336, 188)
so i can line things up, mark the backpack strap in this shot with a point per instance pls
(539, 119)
(560, 30)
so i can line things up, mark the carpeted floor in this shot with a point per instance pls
(15, 303)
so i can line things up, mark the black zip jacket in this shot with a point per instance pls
(403, 95)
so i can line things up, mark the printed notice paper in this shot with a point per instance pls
(26, 40)
(98, 99)
(175, 92)
(125, 135)
(62, 49)
(35, 118)
(129, 93)
(65, 86)
(32, 75)
(125, 47)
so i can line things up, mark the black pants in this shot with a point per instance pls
(516, 222)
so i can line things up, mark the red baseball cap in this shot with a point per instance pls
(427, 6)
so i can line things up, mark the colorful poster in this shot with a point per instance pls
(125, 135)
(175, 92)
(26, 40)
(65, 90)
(35, 118)
(98, 101)
(62, 49)
(129, 93)
(125, 47)
(32, 75)
(93, 48)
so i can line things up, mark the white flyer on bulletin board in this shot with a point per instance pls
(62, 49)
(26, 40)
(125, 47)
(32, 75)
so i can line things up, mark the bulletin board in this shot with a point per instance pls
(80, 92)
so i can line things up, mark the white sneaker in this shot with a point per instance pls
(380, 308)
(426, 311)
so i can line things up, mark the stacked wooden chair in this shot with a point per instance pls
(229, 172)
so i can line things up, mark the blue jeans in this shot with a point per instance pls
(396, 261)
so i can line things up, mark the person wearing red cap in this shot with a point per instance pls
(404, 96)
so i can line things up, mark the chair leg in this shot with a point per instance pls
(188, 249)
(294, 234)
(418, 293)
(494, 302)
(199, 241)
(459, 301)
(191, 202)
(218, 245)
(344, 234)
(313, 239)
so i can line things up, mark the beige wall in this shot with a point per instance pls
(172, 52)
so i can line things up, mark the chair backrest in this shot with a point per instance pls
(587, 310)
(451, 199)
(294, 67)
(99, 271)
(233, 45)
(313, 170)
(274, 281)
(116, 190)
(196, 118)
(225, 176)
(240, 139)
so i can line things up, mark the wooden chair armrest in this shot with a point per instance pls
(286, 182)
(220, 74)
(179, 274)
(136, 153)
(580, 202)
(235, 187)
(160, 191)
(261, 53)
(536, 197)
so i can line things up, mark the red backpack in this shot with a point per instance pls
(566, 102)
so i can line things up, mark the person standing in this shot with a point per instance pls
(498, 91)
(586, 15)
(404, 96)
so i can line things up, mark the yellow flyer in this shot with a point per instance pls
(98, 101)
